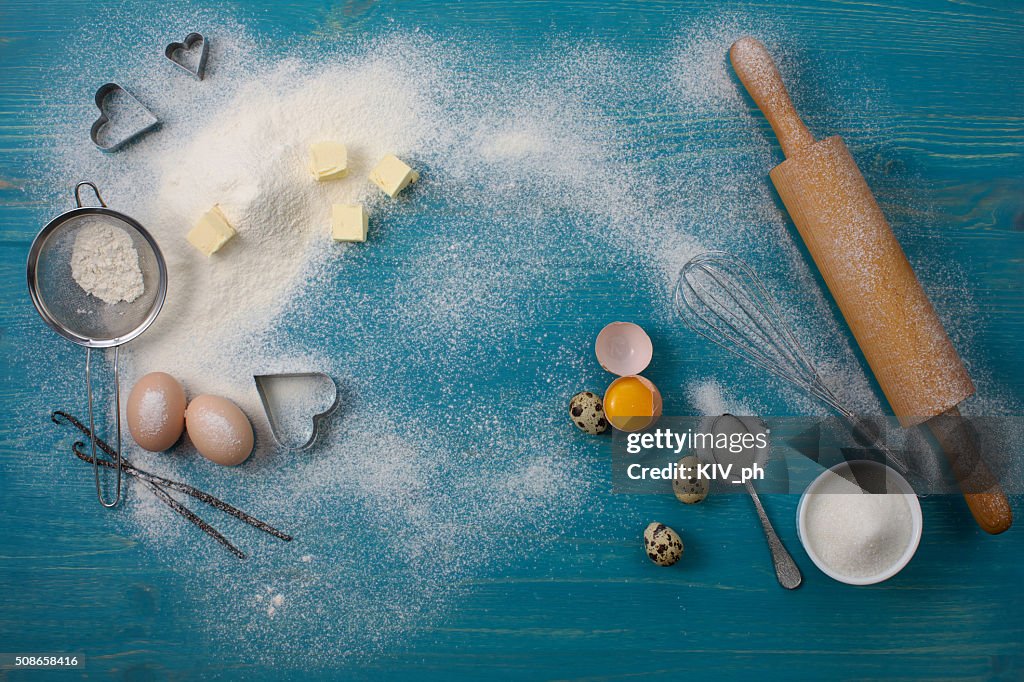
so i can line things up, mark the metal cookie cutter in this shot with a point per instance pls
(173, 51)
(105, 92)
(263, 382)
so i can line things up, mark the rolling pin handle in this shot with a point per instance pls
(760, 76)
(984, 496)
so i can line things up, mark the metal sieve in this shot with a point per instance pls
(83, 318)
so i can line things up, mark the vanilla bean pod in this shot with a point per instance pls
(158, 483)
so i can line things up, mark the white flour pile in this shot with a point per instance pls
(251, 159)
(104, 263)
(277, 300)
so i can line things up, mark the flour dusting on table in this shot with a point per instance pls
(432, 475)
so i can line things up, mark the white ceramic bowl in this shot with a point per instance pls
(624, 348)
(893, 480)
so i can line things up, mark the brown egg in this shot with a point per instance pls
(220, 431)
(156, 411)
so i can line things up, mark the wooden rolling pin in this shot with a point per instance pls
(872, 282)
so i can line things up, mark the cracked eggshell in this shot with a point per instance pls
(623, 348)
(632, 403)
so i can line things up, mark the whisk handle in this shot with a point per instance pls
(756, 69)
(982, 492)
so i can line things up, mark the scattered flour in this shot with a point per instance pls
(251, 159)
(295, 400)
(527, 175)
(524, 173)
(710, 398)
(389, 478)
(273, 601)
(216, 427)
(105, 264)
(131, 117)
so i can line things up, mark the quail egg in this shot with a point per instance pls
(662, 544)
(587, 412)
(687, 485)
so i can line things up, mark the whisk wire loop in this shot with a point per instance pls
(721, 298)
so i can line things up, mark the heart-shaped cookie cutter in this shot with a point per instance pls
(105, 91)
(172, 50)
(275, 425)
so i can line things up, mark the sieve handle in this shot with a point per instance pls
(92, 424)
(95, 190)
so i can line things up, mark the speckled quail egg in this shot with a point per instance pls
(688, 487)
(587, 412)
(662, 544)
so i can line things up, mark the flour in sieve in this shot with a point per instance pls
(104, 263)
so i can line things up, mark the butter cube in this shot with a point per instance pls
(211, 232)
(328, 160)
(392, 175)
(348, 222)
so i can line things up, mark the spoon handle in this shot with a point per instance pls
(785, 568)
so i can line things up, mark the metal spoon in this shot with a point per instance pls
(785, 568)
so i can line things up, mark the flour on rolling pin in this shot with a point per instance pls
(854, 248)
(873, 284)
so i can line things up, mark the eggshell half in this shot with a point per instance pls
(156, 411)
(219, 429)
(624, 348)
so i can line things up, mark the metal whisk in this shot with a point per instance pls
(721, 298)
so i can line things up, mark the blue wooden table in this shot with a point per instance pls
(930, 97)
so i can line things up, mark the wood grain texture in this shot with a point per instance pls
(760, 76)
(948, 170)
(872, 281)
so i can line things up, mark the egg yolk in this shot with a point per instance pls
(629, 404)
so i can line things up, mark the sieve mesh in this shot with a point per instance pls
(69, 309)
